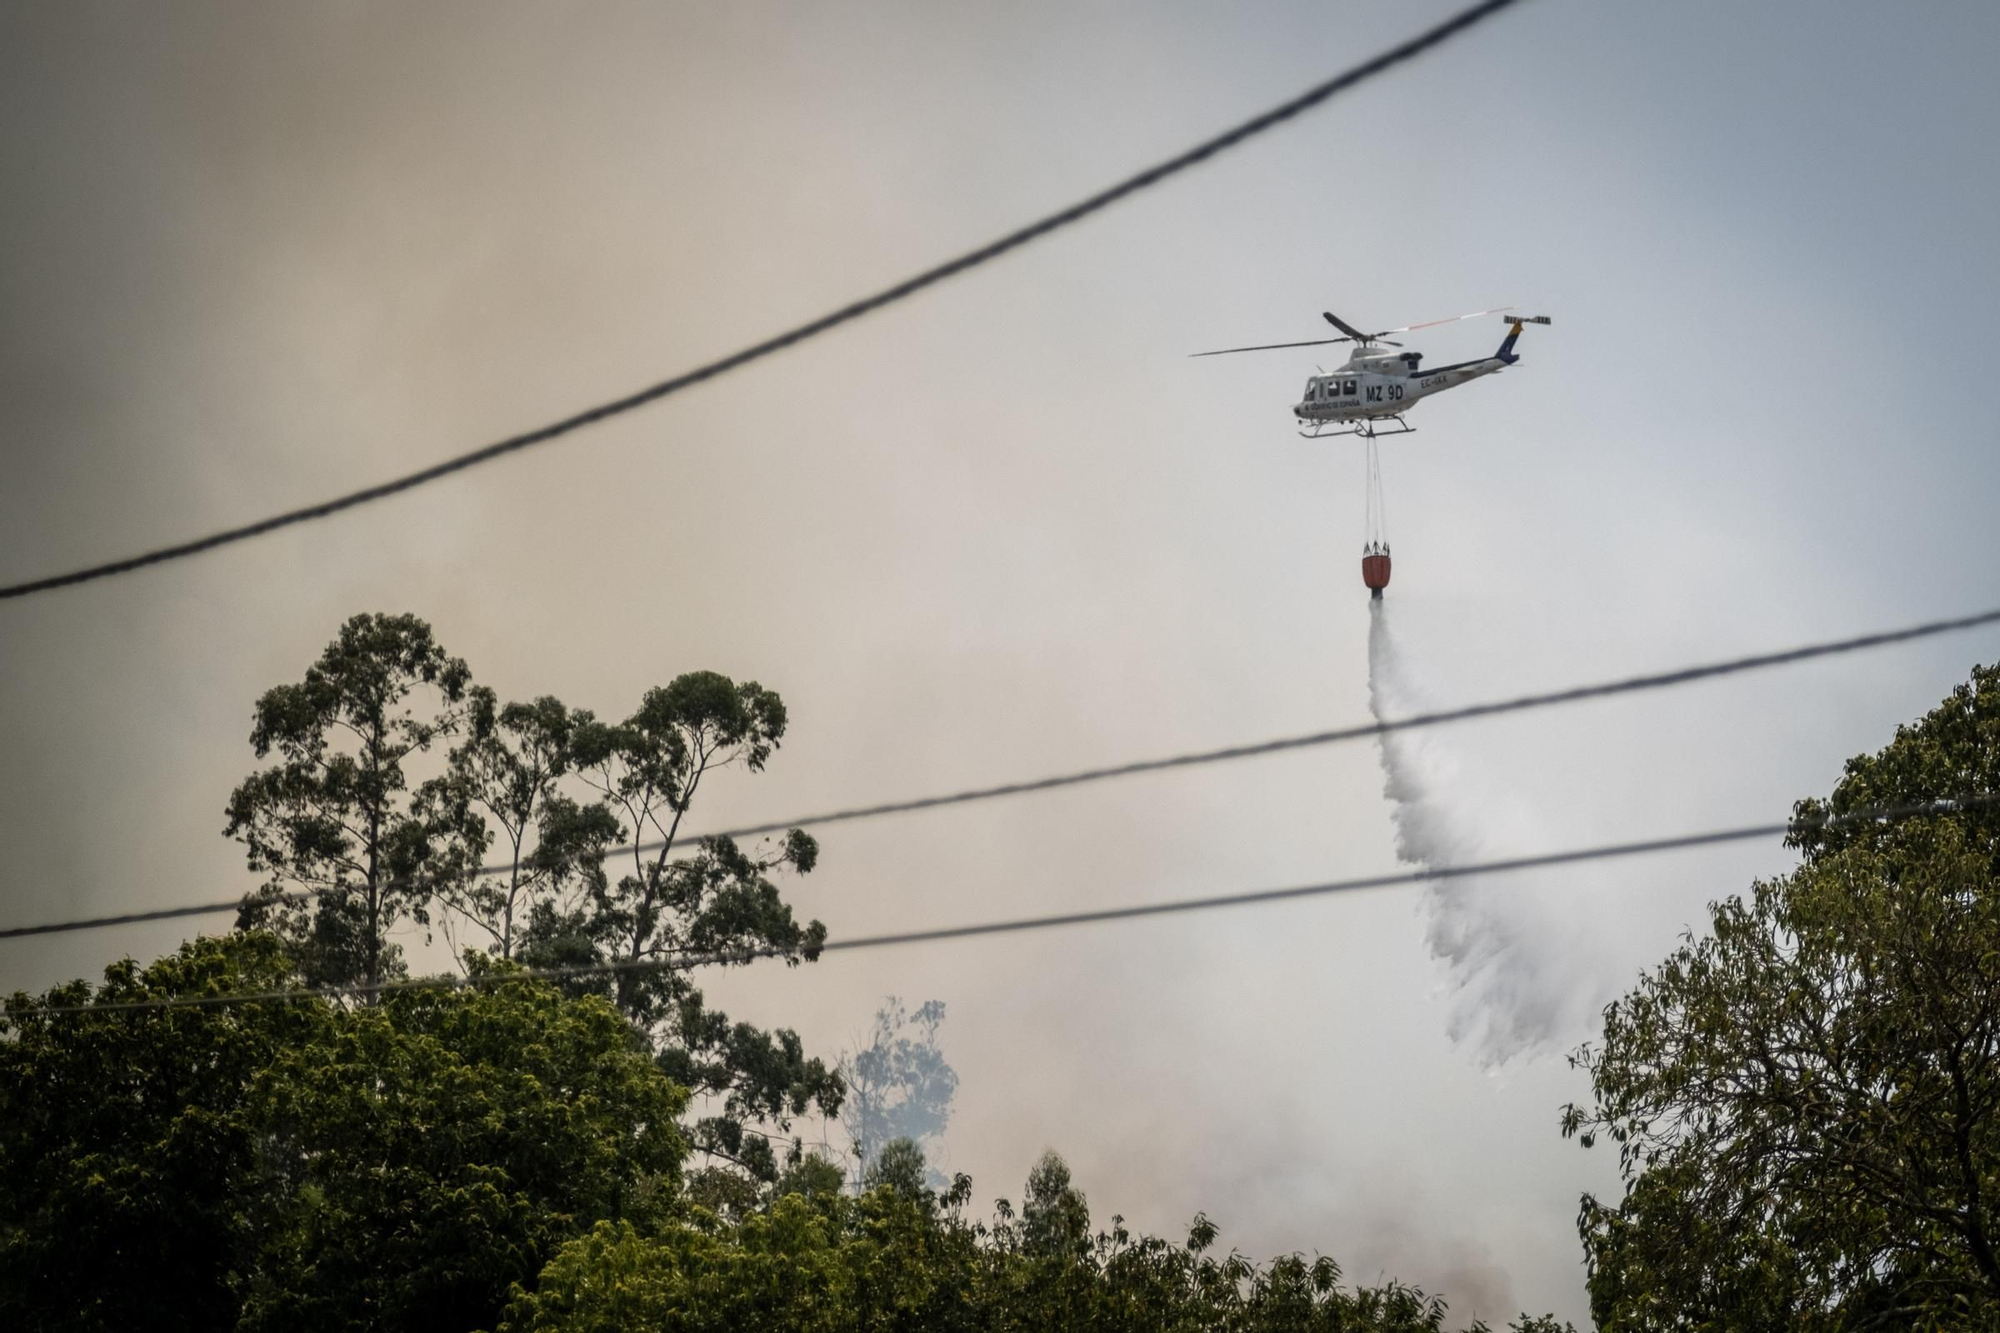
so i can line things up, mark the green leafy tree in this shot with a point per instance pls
(902, 1258)
(1806, 1101)
(127, 1158)
(442, 1146)
(669, 915)
(774, 1273)
(299, 1165)
(812, 1175)
(1055, 1216)
(510, 769)
(1051, 1275)
(900, 1167)
(353, 845)
(349, 848)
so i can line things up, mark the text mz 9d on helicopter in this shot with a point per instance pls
(1370, 394)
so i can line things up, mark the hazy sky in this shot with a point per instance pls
(255, 255)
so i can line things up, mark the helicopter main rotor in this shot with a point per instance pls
(1356, 335)
(1350, 334)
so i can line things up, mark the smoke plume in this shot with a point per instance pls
(1509, 962)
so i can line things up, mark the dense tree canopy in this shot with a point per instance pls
(1806, 1101)
(125, 1147)
(501, 1155)
(296, 1164)
(901, 1257)
(442, 1145)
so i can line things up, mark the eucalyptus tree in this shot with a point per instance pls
(674, 909)
(899, 1086)
(351, 847)
(355, 842)
(510, 769)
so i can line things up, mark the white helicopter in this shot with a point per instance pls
(1376, 387)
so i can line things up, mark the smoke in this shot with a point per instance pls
(1511, 964)
(1403, 1244)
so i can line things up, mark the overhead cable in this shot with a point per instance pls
(1192, 759)
(1060, 920)
(813, 328)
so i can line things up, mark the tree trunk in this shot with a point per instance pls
(373, 940)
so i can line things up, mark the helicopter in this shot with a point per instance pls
(1376, 387)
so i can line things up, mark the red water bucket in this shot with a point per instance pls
(1375, 572)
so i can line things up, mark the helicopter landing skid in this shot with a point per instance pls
(1369, 429)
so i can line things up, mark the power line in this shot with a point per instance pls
(1062, 920)
(888, 296)
(1192, 759)
(1360, 731)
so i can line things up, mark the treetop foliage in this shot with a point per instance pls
(298, 1164)
(1952, 751)
(505, 1157)
(336, 815)
(1806, 1100)
(900, 1256)
(357, 843)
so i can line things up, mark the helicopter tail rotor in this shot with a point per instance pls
(1506, 352)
